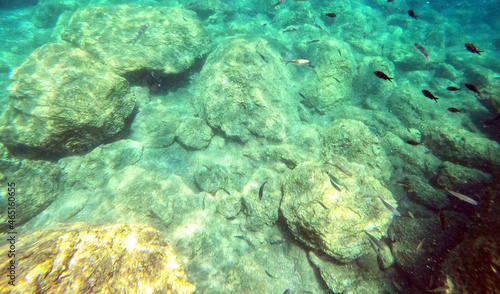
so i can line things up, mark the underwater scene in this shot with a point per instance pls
(250, 146)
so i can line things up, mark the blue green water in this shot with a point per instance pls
(219, 97)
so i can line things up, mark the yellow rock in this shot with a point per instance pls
(112, 259)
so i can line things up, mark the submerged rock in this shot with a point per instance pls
(212, 178)
(246, 91)
(461, 178)
(463, 147)
(491, 97)
(193, 133)
(155, 125)
(335, 221)
(129, 38)
(357, 143)
(479, 253)
(61, 100)
(112, 259)
(330, 84)
(36, 186)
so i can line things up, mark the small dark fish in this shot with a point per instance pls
(492, 122)
(382, 47)
(302, 95)
(318, 26)
(331, 15)
(404, 184)
(389, 207)
(247, 207)
(429, 95)
(322, 205)
(442, 220)
(364, 36)
(264, 25)
(453, 89)
(225, 191)
(263, 57)
(412, 14)
(419, 247)
(313, 41)
(335, 180)
(473, 89)
(287, 291)
(340, 53)
(290, 30)
(313, 223)
(261, 190)
(337, 80)
(414, 143)
(245, 238)
(279, 2)
(339, 167)
(391, 235)
(390, 0)
(472, 48)
(335, 186)
(269, 274)
(141, 31)
(278, 242)
(382, 76)
(422, 50)
(453, 109)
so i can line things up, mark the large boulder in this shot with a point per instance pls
(130, 38)
(330, 82)
(335, 219)
(246, 89)
(62, 100)
(80, 259)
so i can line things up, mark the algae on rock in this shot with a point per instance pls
(245, 90)
(354, 141)
(335, 221)
(61, 100)
(36, 182)
(80, 259)
(129, 38)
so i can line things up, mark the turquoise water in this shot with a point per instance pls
(314, 146)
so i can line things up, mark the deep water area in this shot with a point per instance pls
(250, 146)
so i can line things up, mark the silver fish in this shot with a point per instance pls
(141, 31)
(336, 181)
(388, 206)
(462, 197)
(279, 2)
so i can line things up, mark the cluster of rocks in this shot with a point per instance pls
(72, 96)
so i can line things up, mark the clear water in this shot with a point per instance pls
(247, 92)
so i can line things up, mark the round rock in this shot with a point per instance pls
(331, 219)
(194, 133)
